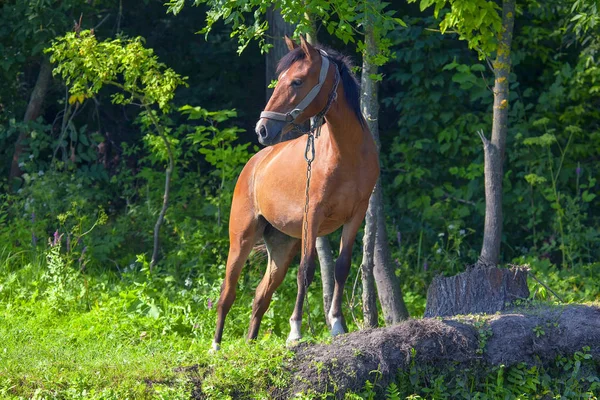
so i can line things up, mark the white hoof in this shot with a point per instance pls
(295, 333)
(214, 348)
(292, 341)
(336, 327)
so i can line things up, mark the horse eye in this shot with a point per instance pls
(296, 83)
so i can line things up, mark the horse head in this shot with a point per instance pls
(299, 94)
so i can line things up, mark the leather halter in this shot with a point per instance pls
(290, 117)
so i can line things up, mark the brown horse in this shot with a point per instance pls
(270, 195)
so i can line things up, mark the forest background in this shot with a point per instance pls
(78, 210)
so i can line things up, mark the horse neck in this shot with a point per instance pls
(345, 130)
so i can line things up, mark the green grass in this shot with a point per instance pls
(116, 336)
(135, 335)
(101, 351)
(106, 353)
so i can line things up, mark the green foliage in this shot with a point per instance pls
(27, 28)
(433, 166)
(392, 392)
(586, 16)
(476, 21)
(86, 65)
(484, 332)
(342, 19)
(574, 377)
(440, 194)
(60, 278)
(573, 285)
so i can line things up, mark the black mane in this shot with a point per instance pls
(344, 65)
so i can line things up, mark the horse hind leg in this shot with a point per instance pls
(342, 269)
(242, 239)
(281, 250)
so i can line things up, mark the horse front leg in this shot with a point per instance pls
(306, 274)
(342, 269)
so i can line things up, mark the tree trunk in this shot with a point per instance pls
(168, 172)
(388, 284)
(326, 264)
(369, 300)
(494, 148)
(34, 110)
(278, 28)
(478, 290)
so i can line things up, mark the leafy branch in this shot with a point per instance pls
(87, 65)
(476, 21)
(342, 18)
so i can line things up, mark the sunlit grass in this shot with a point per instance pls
(126, 336)
(139, 335)
(42, 352)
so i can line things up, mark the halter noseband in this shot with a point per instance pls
(317, 120)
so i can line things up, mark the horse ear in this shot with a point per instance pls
(307, 48)
(291, 45)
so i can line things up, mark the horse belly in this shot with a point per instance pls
(281, 203)
(284, 218)
(338, 211)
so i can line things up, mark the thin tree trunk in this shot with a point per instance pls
(34, 110)
(311, 36)
(325, 254)
(369, 300)
(278, 28)
(168, 173)
(494, 148)
(388, 284)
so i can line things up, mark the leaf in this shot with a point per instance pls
(587, 196)
(424, 4)
(478, 68)
(399, 22)
(546, 140)
(450, 66)
(534, 179)
(154, 311)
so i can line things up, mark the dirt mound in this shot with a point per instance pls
(532, 335)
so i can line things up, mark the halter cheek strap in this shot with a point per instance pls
(292, 115)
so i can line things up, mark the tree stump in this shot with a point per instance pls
(478, 290)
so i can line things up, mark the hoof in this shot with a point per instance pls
(292, 339)
(214, 348)
(295, 333)
(337, 328)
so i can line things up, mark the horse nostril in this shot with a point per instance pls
(262, 131)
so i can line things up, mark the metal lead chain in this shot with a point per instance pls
(309, 152)
(309, 156)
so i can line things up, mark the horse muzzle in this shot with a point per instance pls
(269, 131)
